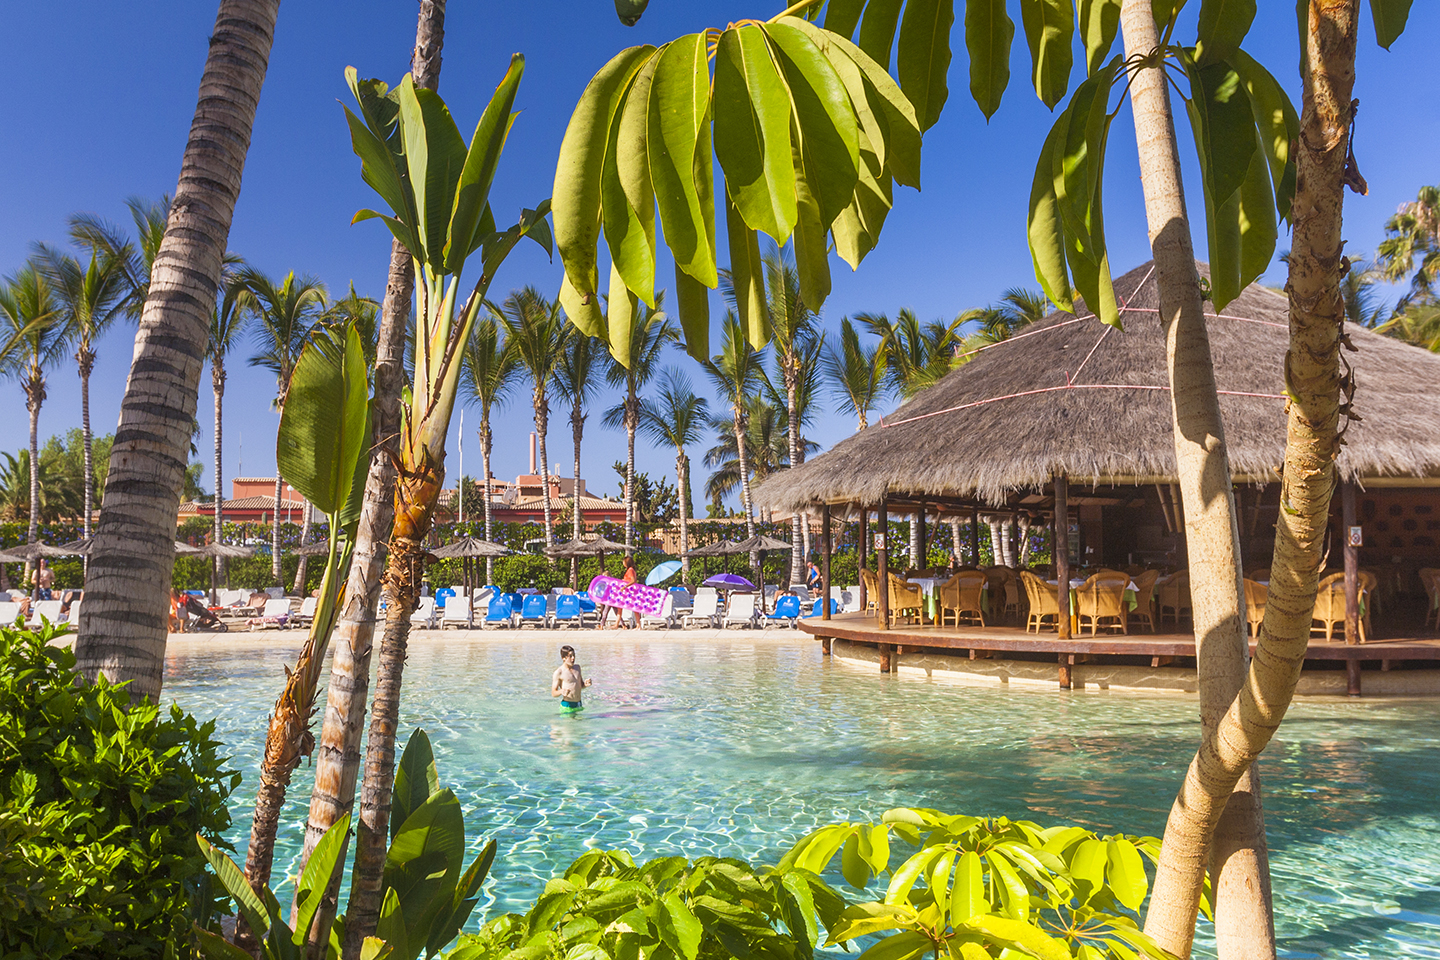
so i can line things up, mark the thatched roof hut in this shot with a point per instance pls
(1073, 397)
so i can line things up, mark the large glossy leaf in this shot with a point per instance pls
(679, 108)
(472, 194)
(316, 876)
(1277, 122)
(1087, 865)
(1390, 17)
(1078, 163)
(1099, 21)
(860, 919)
(877, 30)
(627, 198)
(842, 16)
(435, 154)
(383, 153)
(391, 927)
(233, 880)
(1049, 29)
(752, 132)
(1126, 873)
(679, 928)
(869, 127)
(812, 261)
(988, 34)
(1023, 936)
(747, 275)
(324, 424)
(464, 900)
(424, 863)
(1223, 25)
(1013, 893)
(923, 58)
(622, 307)
(908, 873)
(1044, 231)
(576, 199)
(692, 303)
(967, 896)
(905, 945)
(416, 779)
(894, 110)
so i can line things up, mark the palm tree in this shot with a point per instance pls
(284, 315)
(633, 367)
(736, 373)
(1412, 244)
(489, 368)
(90, 298)
(576, 381)
(34, 335)
(362, 313)
(1357, 288)
(1416, 323)
(123, 625)
(917, 354)
(538, 332)
(676, 416)
(856, 372)
(767, 447)
(136, 259)
(228, 323)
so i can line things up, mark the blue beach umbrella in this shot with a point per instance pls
(662, 572)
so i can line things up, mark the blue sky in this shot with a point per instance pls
(109, 119)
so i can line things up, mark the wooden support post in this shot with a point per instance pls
(825, 645)
(1065, 671)
(882, 578)
(920, 562)
(825, 560)
(1352, 677)
(1352, 564)
(884, 656)
(862, 553)
(975, 536)
(1061, 542)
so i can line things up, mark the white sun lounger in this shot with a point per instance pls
(739, 610)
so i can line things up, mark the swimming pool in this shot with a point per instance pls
(741, 747)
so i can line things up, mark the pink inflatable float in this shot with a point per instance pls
(635, 597)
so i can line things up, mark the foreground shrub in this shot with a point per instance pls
(100, 802)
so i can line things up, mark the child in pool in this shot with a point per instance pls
(567, 681)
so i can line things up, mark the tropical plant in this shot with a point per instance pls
(767, 447)
(917, 354)
(437, 190)
(98, 802)
(1357, 288)
(670, 908)
(1416, 323)
(228, 325)
(59, 487)
(362, 313)
(535, 329)
(1412, 244)
(1018, 308)
(674, 416)
(283, 315)
(134, 259)
(638, 335)
(32, 338)
(489, 369)
(736, 372)
(856, 372)
(656, 501)
(576, 381)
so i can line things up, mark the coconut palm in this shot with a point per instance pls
(228, 325)
(676, 416)
(856, 372)
(90, 297)
(489, 368)
(767, 447)
(1412, 244)
(32, 325)
(918, 354)
(135, 258)
(736, 372)
(537, 331)
(284, 315)
(576, 381)
(1417, 323)
(363, 313)
(633, 364)
(792, 386)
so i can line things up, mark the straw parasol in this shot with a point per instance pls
(758, 544)
(587, 548)
(1070, 396)
(30, 552)
(465, 550)
(225, 550)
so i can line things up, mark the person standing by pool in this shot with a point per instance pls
(567, 681)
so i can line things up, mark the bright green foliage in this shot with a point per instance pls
(979, 886)
(99, 802)
(606, 907)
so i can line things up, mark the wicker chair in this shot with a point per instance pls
(1174, 595)
(1255, 596)
(1145, 598)
(1102, 597)
(960, 597)
(872, 591)
(906, 599)
(1330, 605)
(1430, 580)
(1258, 574)
(1044, 601)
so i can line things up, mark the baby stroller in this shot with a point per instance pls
(201, 618)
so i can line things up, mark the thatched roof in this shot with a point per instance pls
(1006, 421)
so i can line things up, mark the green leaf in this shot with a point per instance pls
(1223, 25)
(1126, 873)
(678, 114)
(1277, 122)
(216, 947)
(909, 872)
(1099, 22)
(1044, 230)
(842, 16)
(905, 945)
(692, 303)
(576, 197)
(323, 426)
(581, 310)
(924, 57)
(967, 896)
(316, 875)
(939, 877)
(391, 927)
(812, 261)
(1390, 17)
(472, 194)
(464, 899)
(376, 949)
(870, 127)
(747, 275)
(627, 197)
(1087, 865)
(379, 169)
(679, 929)
(1049, 27)
(1021, 936)
(424, 862)
(1165, 9)
(435, 154)
(621, 309)
(852, 866)
(877, 30)
(799, 889)
(879, 857)
(752, 132)
(233, 880)
(861, 919)
(416, 780)
(1078, 163)
(988, 34)
(1014, 896)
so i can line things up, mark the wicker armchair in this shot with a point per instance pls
(1430, 580)
(1258, 574)
(960, 597)
(1330, 605)
(1102, 597)
(1145, 598)
(872, 590)
(906, 599)
(1044, 601)
(1173, 593)
(1255, 596)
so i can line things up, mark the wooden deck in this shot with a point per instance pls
(1160, 649)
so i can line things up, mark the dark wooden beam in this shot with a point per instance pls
(1352, 677)
(1061, 542)
(1066, 660)
(862, 553)
(882, 580)
(825, 557)
(975, 536)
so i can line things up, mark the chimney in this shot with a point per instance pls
(532, 454)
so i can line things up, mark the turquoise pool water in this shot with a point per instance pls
(739, 748)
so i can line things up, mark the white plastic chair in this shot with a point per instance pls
(74, 616)
(740, 609)
(9, 612)
(666, 616)
(49, 609)
(456, 613)
(703, 610)
(850, 599)
(306, 613)
(276, 592)
(424, 615)
(275, 616)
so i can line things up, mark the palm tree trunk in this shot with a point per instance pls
(798, 549)
(485, 442)
(299, 588)
(1211, 530)
(631, 423)
(124, 621)
(682, 477)
(34, 396)
(915, 559)
(275, 570)
(577, 419)
(217, 384)
(542, 422)
(338, 764)
(955, 539)
(85, 357)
